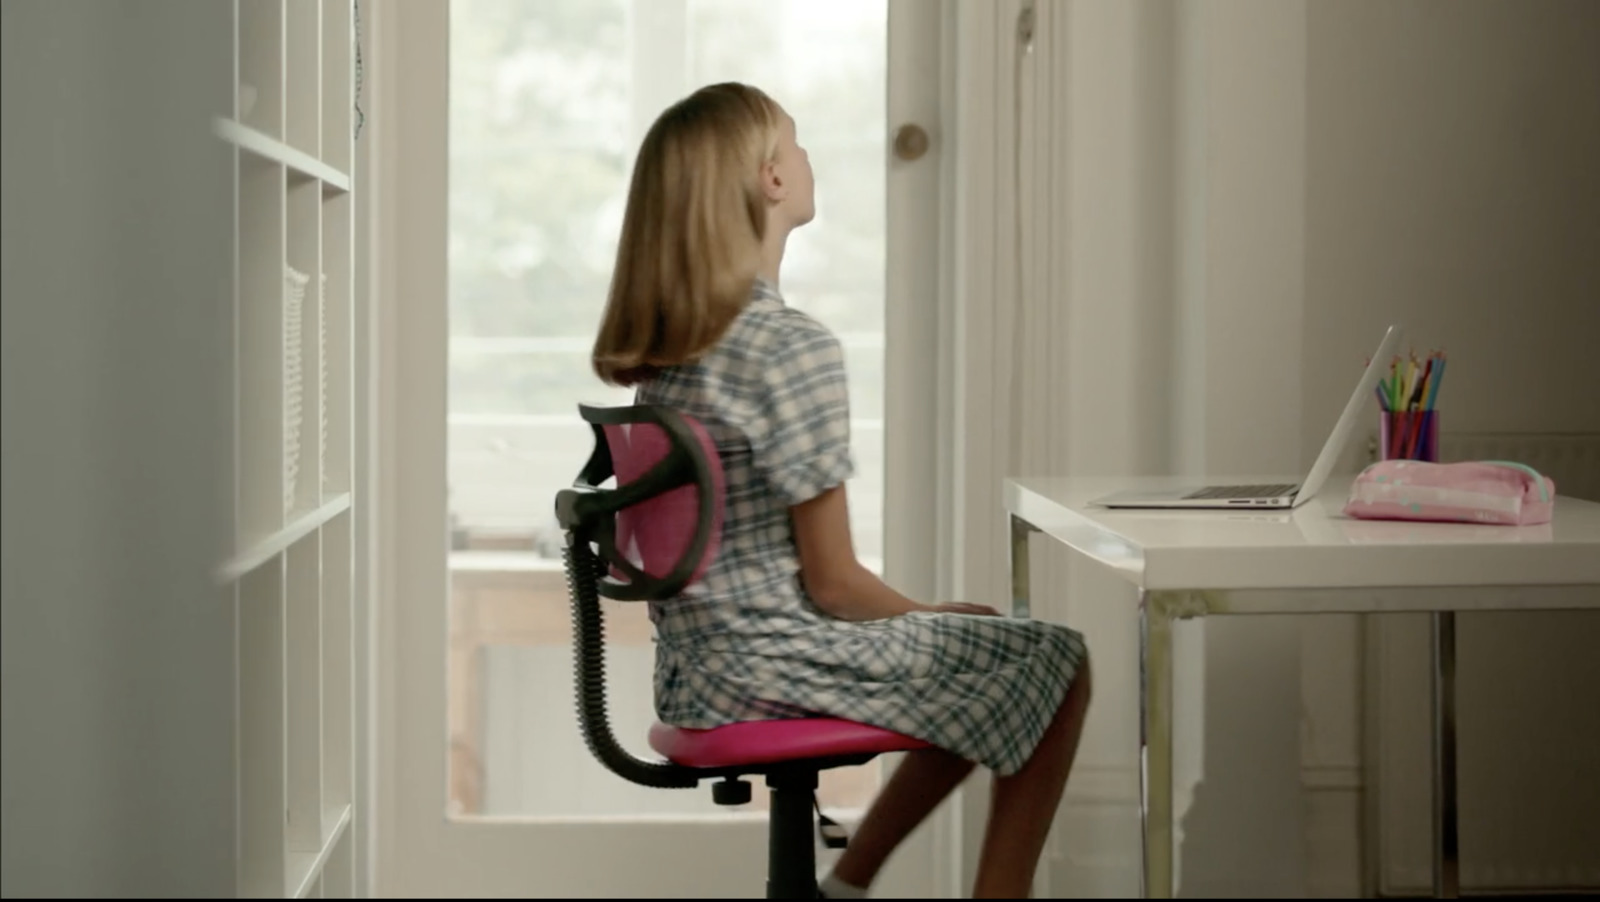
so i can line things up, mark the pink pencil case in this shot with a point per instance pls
(1489, 491)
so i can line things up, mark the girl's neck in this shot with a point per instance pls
(772, 254)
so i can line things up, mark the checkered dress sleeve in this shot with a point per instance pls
(800, 435)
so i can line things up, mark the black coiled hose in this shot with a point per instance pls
(584, 572)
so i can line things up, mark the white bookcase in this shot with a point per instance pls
(290, 574)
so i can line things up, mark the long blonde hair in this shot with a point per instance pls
(691, 234)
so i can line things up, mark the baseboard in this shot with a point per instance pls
(1500, 881)
(1332, 778)
(1094, 848)
(1501, 894)
(1333, 797)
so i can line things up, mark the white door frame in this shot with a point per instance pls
(404, 271)
(390, 227)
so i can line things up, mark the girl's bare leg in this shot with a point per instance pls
(1024, 804)
(917, 787)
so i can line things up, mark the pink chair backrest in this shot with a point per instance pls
(656, 533)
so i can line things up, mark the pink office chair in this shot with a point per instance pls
(647, 538)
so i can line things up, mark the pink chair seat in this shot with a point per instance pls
(775, 742)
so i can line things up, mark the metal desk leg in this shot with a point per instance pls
(1446, 855)
(1155, 743)
(1022, 592)
(1021, 571)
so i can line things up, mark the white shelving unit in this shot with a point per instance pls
(290, 573)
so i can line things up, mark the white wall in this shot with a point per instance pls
(118, 653)
(1239, 157)
(1224, 203)
(1451, 185)
(1343, 166)
(1069, 374)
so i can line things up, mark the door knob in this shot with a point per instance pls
(910, 142)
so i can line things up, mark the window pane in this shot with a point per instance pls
(549, 99)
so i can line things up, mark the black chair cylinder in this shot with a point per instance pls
(791, 852)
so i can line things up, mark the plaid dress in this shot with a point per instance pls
(746, 643)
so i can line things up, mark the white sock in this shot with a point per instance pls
(833, 888)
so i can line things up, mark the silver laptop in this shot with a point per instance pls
(1282, 495)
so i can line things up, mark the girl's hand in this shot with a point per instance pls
(962, 607)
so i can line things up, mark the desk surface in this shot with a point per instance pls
(1313, 547)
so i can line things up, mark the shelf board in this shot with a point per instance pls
(248, 139)
(306, 867)
(273, 545)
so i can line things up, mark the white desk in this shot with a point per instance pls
(1312, 561)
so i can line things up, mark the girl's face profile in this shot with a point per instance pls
(790, 182)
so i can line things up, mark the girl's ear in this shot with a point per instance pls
(772, 183)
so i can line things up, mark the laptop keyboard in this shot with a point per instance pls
(1241, 491)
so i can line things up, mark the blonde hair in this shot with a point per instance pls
(691, 233)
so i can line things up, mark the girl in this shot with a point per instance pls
(786, 622)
